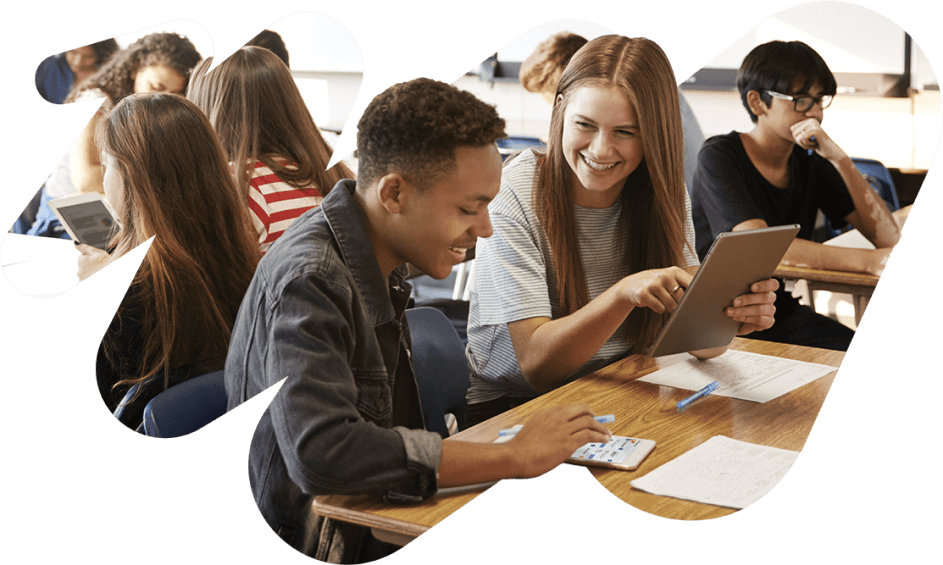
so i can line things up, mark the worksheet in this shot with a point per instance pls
(747, 376)
(721, 471)
(853, 239)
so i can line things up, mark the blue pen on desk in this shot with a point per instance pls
(703, 392)
(607, 419)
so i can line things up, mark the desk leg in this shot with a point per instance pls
(861, 302)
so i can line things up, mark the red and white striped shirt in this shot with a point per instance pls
(276, 204)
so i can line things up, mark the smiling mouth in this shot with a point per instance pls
(459, 250)
(596, 166)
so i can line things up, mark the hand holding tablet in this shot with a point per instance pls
(735, 261)
(87, 218)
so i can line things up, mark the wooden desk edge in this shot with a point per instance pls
(827, 276)
(382, 523)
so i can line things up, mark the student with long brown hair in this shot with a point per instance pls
(166, 177)
(593, 241)
(157, 62)
(262, 121)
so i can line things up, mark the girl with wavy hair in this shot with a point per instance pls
(166, 177)
(157, 62)
(276, 150)
(593, 240)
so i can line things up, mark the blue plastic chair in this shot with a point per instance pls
(186, 407)
(441, 368)
(510, 145)
(880, 179)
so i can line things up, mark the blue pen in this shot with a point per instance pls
(607, 419)
(814, 143)
(703, 392)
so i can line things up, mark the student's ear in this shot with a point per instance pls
(756, 104)
(391, 190)
(559, 99)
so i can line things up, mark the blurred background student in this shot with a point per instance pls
(158, 62)
(167, 176)
(276, 150)
(57, 74)
(540, 72)
(273, 42)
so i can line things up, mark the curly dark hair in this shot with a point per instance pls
(414, 127)
(116, 77)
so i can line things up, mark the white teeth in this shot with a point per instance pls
(597, 166)
(458, 249)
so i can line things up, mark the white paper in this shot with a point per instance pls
(721, 471)
(747, 376)
(852, 239)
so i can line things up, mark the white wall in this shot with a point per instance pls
(850, 38)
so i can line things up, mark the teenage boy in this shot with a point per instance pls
(325, 310)
(783, 171)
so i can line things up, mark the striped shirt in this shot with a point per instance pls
(515, 280)
(275, 204)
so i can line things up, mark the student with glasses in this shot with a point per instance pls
(783, 171)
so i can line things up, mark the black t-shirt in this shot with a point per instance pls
(728, 190)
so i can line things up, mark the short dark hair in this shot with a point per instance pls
(273, 42)
(414, 127)
(777, 65)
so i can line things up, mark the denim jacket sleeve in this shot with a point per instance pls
(331, 417)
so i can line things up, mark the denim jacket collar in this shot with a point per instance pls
(346, 221)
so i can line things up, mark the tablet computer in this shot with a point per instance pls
(87, 218)
(735, 261)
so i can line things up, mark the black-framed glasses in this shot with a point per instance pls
(804, 103)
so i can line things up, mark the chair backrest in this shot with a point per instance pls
(441, 368)
(880, 179)
(513, 144)
(186, 407)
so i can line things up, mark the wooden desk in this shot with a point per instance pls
(859, 285)
(641, 410)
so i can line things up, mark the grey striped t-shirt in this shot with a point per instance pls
(515, 279)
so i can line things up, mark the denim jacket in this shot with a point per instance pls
(348, 417)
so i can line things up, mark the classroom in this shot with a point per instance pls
(396, 259)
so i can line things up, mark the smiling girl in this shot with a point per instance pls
(593, 241)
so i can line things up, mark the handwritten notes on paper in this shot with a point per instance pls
(747, 376)
(721, 471)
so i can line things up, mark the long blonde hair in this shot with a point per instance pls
(652, 219)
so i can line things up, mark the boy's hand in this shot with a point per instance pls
(804, 131)
(551, 435)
